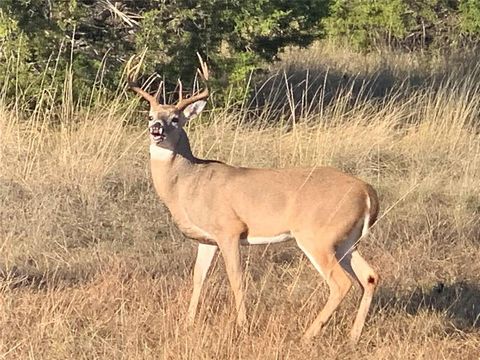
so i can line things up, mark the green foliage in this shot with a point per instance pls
(237, 37)
(14, 53)
(404, 23)
(364, 23)
(470, 16)
(41, 42)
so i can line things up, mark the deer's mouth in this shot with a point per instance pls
(157, 133)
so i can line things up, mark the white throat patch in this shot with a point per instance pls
(159, 153)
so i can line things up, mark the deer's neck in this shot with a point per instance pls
(168, 165)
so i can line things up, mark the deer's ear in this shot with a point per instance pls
(192, 110)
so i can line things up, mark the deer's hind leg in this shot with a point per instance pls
(324, 260)
(362, 272)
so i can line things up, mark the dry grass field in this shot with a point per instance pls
(91, 266)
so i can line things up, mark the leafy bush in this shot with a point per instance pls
(404, 23)
(364, 23)
(39, 39)
(470, 16)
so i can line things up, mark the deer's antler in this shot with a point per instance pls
(132, 83)
(155, 100)
(203, 73)
(160, 92)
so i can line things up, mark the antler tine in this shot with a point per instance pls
(132, 83)
(203, 72)
(158, 94)
(203, 65)
(180, 90)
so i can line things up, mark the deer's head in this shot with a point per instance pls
(166, 121)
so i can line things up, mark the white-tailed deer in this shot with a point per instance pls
(326, 211)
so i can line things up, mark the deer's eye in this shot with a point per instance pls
(175, 120)
(150, 117)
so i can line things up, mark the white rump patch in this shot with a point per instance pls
(159, 153)
(366, 224)
(269, 240)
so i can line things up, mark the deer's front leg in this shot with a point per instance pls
(230, 249)
(205, 256)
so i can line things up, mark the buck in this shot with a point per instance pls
(223, 207)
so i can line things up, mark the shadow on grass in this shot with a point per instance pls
(299, 89)
(296, 88)
(460, 302)
(28, 276)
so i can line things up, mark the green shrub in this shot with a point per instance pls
(40, 39)
(438, 24)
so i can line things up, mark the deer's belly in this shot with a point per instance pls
(257, 240)
(201, 233)
(194, 232)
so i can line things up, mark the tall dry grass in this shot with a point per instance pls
(91, 266)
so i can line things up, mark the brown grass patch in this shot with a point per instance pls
(91, 266)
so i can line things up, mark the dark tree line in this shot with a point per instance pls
(39, 39)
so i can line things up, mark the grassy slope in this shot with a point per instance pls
(93, 268)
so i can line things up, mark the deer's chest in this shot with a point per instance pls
(189, 227)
